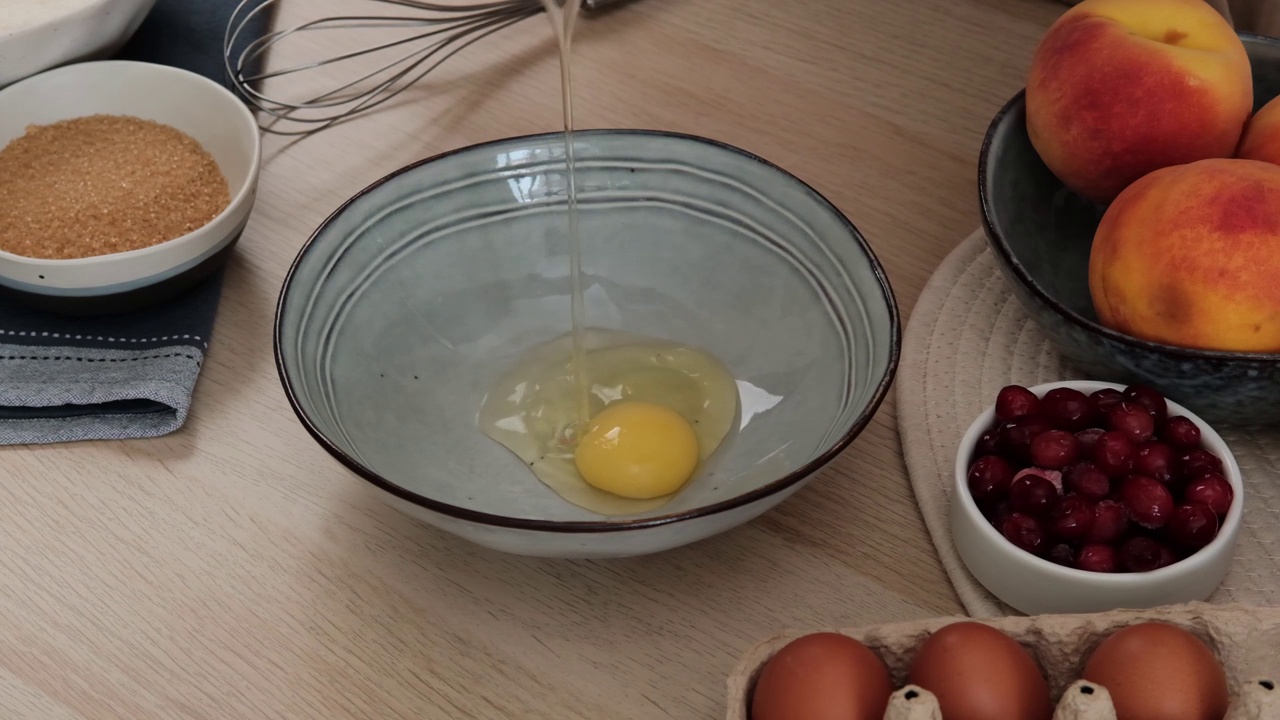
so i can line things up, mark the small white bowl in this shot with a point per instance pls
(36, 36)
(1037, 586)
(201, 108)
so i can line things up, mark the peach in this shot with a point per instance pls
(1262, 135)
(1119, 88)
(1190, 255)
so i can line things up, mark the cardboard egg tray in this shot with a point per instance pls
(1245, 638)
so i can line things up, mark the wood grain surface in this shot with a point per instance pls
(234, 570)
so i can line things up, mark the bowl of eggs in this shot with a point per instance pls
(124, 183)
(719, 333)
(1082, 496)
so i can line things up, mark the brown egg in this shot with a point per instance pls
(979, 673)
(1157, 671)
(824, 676)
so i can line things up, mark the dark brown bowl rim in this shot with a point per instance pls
(593, 526)
(1001, 245)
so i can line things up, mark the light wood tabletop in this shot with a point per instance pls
(234, 570)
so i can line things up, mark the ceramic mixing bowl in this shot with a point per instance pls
(199, 107)
(1040, 234)
(411, 299)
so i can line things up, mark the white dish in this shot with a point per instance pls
(203, 109)
(1037, 586)
(36, 35)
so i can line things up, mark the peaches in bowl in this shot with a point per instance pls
(1131, 197)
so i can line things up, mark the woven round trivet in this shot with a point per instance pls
(967, 338)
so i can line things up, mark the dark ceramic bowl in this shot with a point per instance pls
(1041, 233)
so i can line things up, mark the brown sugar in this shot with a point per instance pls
(104, 184)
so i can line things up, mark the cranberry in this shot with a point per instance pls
(1072, 519)
(1113, 454)
(1033, 494)
(1212, 490)
(996, 512)
(1109, 522)
(1015, 401)
(1148, 501)
(1061, 554)
(1133, 420)
(1167, 557)
(1016, 435)
(1105, 399)
(1025, 532)
(1054, 449)
(989, 478)
(1197, 463)
(1142, 554)
(1193, 525)
(1087, 438)
(988, 442)
(1154, 459)
(1150, 398)
(1181, 433)
(1086, 480)
(1067, 409)
(1097, 558)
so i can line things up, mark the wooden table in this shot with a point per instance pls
(234, 570)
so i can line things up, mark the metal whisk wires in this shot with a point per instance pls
(411, 43)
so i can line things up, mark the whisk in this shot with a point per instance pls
(425, 35)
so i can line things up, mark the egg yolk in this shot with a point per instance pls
(637, 450)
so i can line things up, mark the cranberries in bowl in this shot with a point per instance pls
(1083, 496)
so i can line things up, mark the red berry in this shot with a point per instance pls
(1212, 490)
(1054, 449)
(1105, 399)
(1133, 420)
(1181, 433)
(1072, 519)
(1150, 398)
(1154, 459)
(989, 478)
(1109, 522)
(1015, 401)
(1193, 525)
(1061, 554)
(1087, 438)
(1086, 480)
(1033, 494)
(1142, 554)
(1113, 454)
(1197, 463)
(1097, 558)
(988, 443)
(1025, 532)
(1067, 409)
(1017, 434)
(1147, 500)
(996, 512)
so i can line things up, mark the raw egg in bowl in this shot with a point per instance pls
(737, 334)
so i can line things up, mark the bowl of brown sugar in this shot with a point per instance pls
(122, 184)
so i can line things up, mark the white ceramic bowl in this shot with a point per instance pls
(411, 299)
(203, 109)
(1036, 586)
(36, 35)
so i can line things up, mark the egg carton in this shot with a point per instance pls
(1246, 640)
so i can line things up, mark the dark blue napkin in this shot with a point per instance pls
(119, 376)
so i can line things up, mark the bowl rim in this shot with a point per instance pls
(600, 526)
(246, 190)
(1192, 564)
(1001, 245)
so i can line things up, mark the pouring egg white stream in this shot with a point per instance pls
(613, 423)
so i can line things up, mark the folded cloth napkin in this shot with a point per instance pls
(125, 376)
